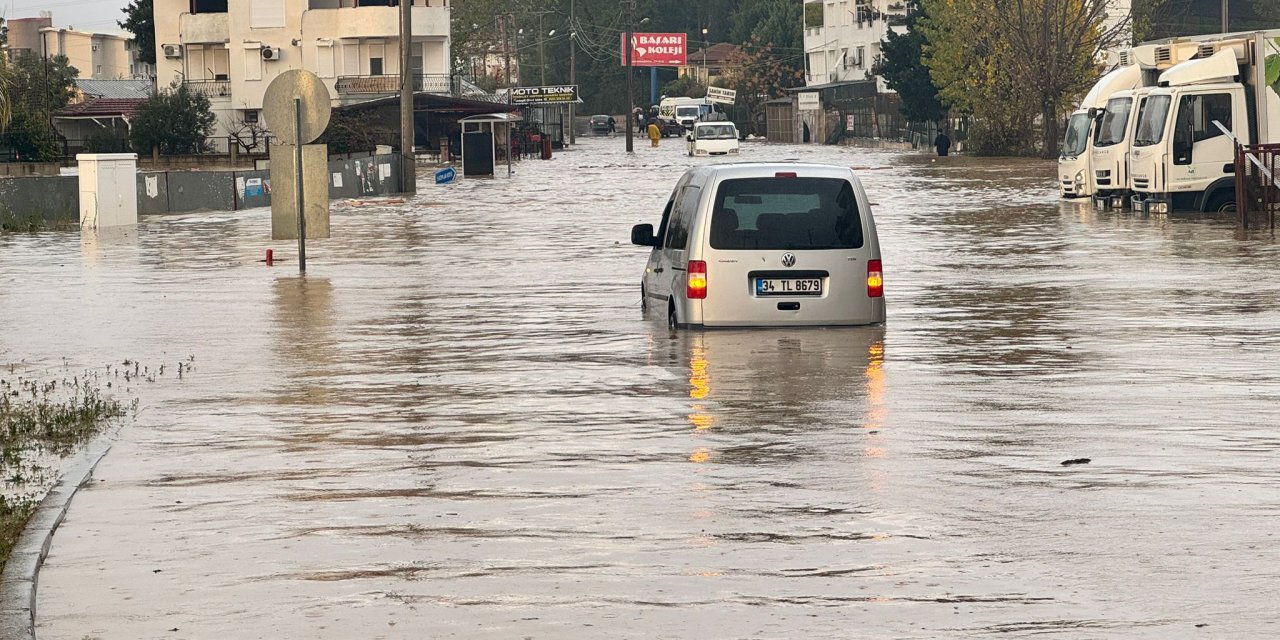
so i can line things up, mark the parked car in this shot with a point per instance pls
(600, 124)
(670, 127)
(764, 245)
(713, 139)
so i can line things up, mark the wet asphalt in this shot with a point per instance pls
(460, 423)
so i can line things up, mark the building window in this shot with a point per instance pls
(375, 66)
(208, 6)
(251, 116)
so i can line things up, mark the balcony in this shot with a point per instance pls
(199, 28)
(390, 84)
(374, 22)
(211, 89)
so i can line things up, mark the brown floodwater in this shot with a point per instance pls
(460, 424)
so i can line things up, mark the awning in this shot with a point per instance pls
(496, 118)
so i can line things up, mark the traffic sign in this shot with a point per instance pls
(278, 103)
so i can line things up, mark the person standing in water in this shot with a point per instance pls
(942, 143)
(655, 133)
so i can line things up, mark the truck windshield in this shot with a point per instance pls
(786, 214)
(1151, 119)
(1077, 135)
(1114, 122)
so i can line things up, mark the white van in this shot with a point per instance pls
(713, 139)
(764, 245)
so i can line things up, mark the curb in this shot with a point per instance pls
(19, 580)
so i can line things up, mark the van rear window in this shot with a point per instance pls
(786, 214)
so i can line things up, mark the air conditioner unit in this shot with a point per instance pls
(270, 53)
(172, 50)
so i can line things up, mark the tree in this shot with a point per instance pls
(34, 88)
(902, 66)
(177, 121)
(759, 76)
(140, 21)
(6, 81)
(351, 132)
(1038, 57)
(684, 86)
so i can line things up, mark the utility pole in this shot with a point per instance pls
(573, 67)
(408, 165)
(631, 92)
(1224, 17)
(542, 58)
(506, 50)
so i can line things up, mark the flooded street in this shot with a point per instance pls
(460, 424)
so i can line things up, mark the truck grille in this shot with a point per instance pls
(1140, 183)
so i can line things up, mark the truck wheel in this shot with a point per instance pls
(672, 321)
(1222, 201)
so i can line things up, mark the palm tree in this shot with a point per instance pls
(6, 80)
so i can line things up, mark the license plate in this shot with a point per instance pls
(788, 286)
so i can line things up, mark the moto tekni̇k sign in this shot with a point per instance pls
(656, 49)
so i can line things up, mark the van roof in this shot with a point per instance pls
(768, 169)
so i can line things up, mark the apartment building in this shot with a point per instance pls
(97, 56)
(230, 50)
(842, 37)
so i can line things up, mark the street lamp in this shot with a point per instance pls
(706, 80)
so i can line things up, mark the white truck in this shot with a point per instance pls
(1180, 159)
(1075, 167)
(686, 111)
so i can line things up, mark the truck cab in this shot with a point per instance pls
(1109, 158)
(1075, 172)
(1181, 159)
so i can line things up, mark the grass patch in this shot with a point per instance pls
(10, 223)
(41, 421)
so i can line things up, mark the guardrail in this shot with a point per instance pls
(1257, 186)
(390, 83)
(210, 88)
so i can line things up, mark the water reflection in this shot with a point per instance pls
(304, 338)
(781, 384)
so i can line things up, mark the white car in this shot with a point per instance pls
(713, 139)
(764, 244)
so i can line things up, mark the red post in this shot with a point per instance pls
(269, 258)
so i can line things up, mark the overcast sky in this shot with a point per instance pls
(89, 15)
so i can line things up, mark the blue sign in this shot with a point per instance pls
(446, 175)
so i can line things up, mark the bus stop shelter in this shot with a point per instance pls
(486, 140)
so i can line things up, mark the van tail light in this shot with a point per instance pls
(875, 279)
(697, 279)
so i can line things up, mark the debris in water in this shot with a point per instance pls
(1067, 463)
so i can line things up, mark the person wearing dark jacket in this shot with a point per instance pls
(942, 143)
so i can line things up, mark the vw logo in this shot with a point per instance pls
(788, 259)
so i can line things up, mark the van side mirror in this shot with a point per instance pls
(642, 234)
(1094, 112)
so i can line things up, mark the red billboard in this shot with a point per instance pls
(656, 49)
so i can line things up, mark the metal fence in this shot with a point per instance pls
(390, 83)
(1258, 183)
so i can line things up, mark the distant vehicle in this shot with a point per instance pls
(600, 124)
(773, 244)
(670, 127)
(685, 110)
(713, 139)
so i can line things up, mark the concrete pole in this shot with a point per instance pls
(1225, 21)
(408, 165)
(506, 51)
(631, 91)
(573, 67)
